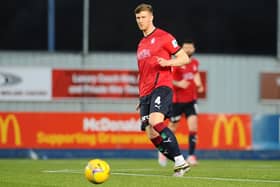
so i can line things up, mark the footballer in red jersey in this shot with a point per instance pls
(187, 83)
(154, 56)
(152, 75)
(186, 73)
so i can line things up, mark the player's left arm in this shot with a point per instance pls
(198, 82)
(180, 58)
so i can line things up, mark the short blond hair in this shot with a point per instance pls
(143, 7)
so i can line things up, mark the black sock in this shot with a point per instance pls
(192, 142)
(158, 143)
(169, 141)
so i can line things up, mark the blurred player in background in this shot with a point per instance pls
(155, 85)
(187, 83)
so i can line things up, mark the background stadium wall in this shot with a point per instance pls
(233, 81)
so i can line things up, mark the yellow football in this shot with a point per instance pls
(97, 171)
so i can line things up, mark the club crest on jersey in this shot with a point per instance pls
(174, 43)
(153, 40)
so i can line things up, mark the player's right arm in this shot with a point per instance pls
(180, 58)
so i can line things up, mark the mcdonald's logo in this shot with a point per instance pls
(228, 124)
(5, 123)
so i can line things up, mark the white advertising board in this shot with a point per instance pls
(25, 84)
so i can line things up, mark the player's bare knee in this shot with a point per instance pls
(151, 133)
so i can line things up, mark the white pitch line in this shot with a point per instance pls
(139, 169)
(62, 171)
(166, 176)
(203, 178)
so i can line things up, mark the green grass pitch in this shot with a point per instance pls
(139, 173)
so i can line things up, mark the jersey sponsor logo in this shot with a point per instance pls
(145, 53)
(188, 76)
(229, 130)
(10, 120)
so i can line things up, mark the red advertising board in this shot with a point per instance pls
(93, 83)
(114, 131)
(225, 131)
(100, 83)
